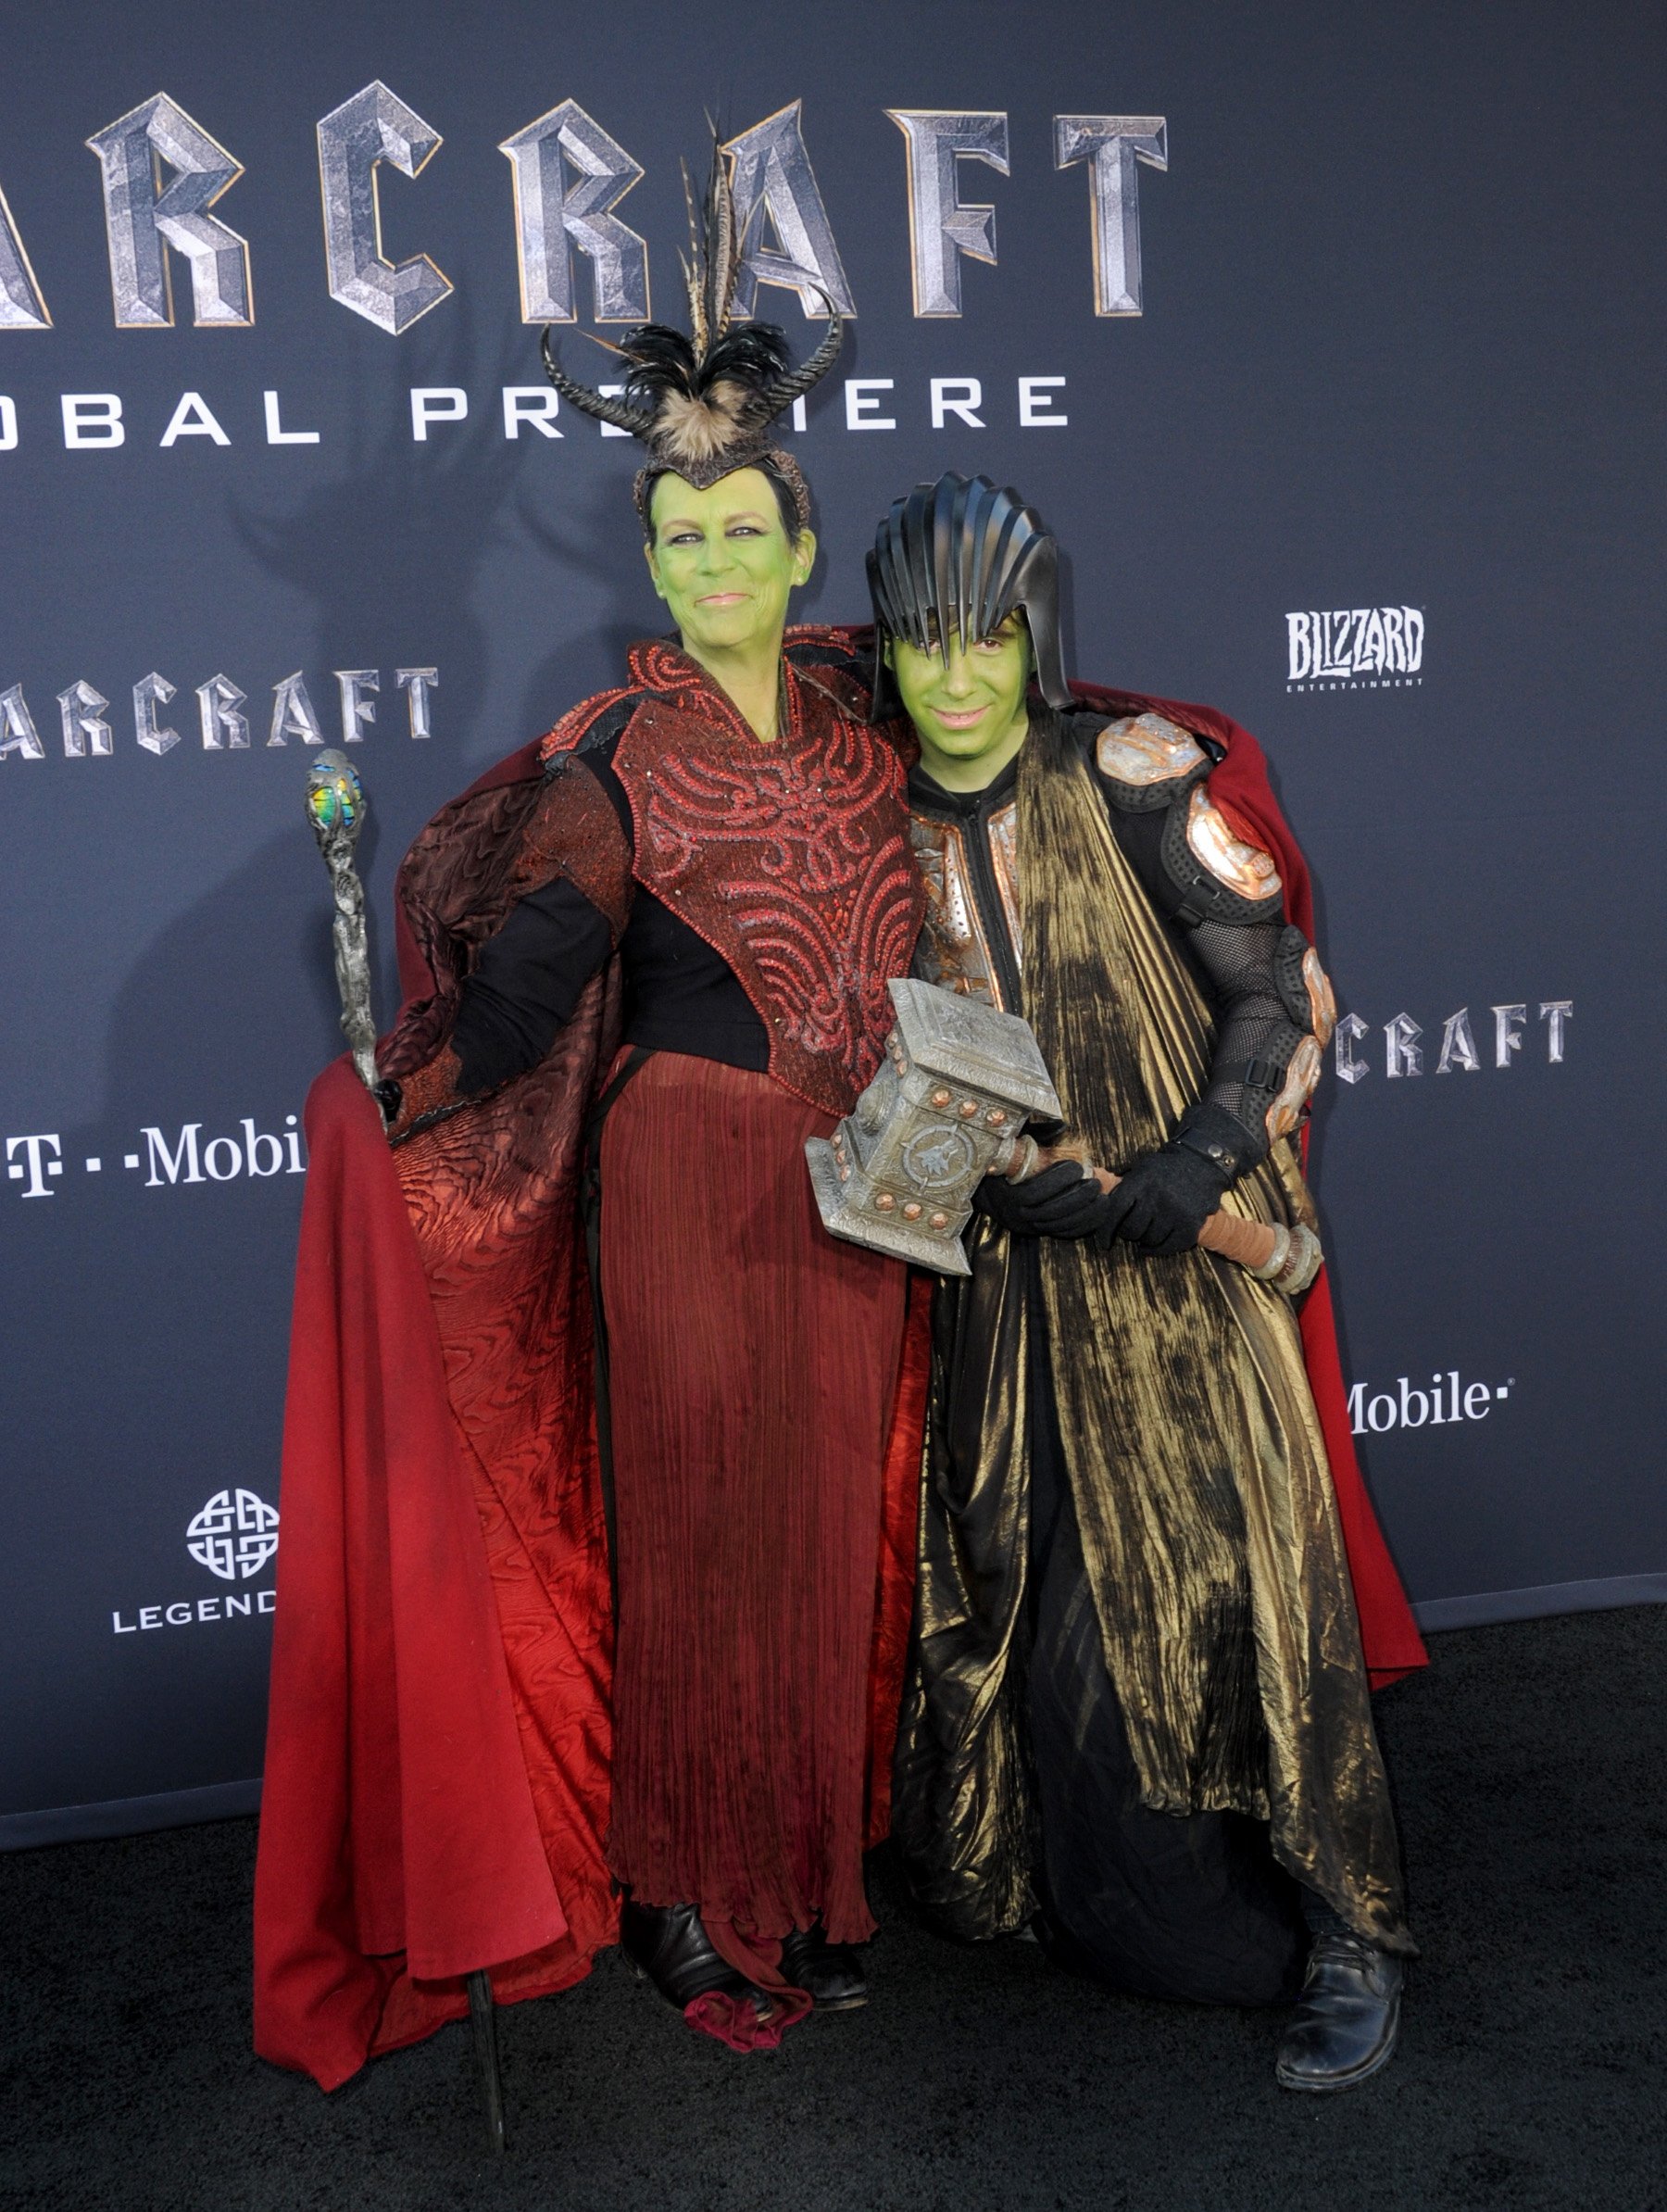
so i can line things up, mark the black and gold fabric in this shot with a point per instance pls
(1196, 1658)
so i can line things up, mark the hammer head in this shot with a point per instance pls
(959, 1083)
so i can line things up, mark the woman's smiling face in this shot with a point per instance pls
(723, 561)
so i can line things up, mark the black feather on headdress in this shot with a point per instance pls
(703, 403)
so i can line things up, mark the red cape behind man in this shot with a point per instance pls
(436, 1773)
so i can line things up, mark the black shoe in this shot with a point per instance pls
(1346, 2019)
(831, 1974)
(669, 1944)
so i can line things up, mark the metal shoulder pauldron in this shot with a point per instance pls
(1148, 761)
(1221, 876)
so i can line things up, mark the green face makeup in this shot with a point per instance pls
(721, 561)
(968, 712)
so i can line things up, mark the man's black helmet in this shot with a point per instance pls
(959, 556)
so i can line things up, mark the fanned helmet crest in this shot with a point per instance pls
(959, 556)
(703, 403)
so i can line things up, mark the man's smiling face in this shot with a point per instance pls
(966, 703)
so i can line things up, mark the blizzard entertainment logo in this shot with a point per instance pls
(1355, 649)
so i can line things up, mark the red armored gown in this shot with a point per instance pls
(481, 1726)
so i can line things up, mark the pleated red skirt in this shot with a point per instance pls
(753, 1361)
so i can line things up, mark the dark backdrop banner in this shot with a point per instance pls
(1328, 341)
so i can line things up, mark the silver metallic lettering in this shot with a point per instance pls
(942, 227)
(552, 216)
(179, 1165)
(85, 729)
(773, 181)
(358, 711)
(1459, 1045)
(1554, 1012)
(292, 713)
(354, 141)
(142, 216)
(149, 693)
(219, 707)
(1112, 145)
(22, 305)
(1350, 1067)
(20, 735)
(417, 683)
(1403, 1054)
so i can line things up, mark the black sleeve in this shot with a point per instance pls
(526, 984)
(1254, 1036)
(1232, 962)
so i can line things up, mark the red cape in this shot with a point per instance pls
(1240, 788)
(437, 1754)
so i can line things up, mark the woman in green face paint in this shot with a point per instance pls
(726, 560)
(712, 888)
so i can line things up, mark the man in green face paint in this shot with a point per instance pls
(652, 958)
(1138, 1707)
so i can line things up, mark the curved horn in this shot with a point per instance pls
(777, 396)
(620, 412)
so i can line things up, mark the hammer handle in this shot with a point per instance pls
(1251, 1243)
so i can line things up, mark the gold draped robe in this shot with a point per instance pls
(1196, 1468)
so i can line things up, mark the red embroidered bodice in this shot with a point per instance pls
(791, 860)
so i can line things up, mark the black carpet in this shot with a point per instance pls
(1532, 2069)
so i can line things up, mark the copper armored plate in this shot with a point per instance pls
(1300, 1078)
(1003, 864)
(1322, 1004)
(1245, 868)
(1143, 750)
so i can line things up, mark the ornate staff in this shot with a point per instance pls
(335, 806)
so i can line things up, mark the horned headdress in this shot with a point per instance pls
(703, 403)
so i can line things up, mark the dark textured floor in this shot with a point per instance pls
(1532, 2069)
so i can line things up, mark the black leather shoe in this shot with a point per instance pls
(1346, 2019)
(829, 1973)
(669, 1946)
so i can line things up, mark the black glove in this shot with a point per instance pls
(1060, 1202)
(1164, 1199)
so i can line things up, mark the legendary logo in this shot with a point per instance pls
(1354, 648)
(234, 1535)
